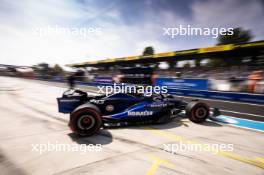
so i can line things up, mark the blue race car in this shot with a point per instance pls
(89, 114)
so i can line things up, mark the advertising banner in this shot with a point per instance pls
(196, 84)
(229, 96)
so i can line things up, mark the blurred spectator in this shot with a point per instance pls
(71, 81)
(235, 84)
(253, 79)
(178, 75)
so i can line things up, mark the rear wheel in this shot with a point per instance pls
(85, 121)
(197, 111)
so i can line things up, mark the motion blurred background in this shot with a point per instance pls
(47, 46)
(132, 36)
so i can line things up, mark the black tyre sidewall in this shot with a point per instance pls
(85, 111)
(192, 107)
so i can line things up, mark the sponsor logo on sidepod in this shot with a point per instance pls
(140, 113)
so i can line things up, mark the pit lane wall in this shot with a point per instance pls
(228, 96)
(200, 88)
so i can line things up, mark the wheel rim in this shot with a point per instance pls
(200, 112)
(86, 122)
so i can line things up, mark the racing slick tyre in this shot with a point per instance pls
(85, 120)
(197, 111)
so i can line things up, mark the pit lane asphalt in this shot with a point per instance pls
(29, 116)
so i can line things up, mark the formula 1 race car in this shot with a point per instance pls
(89, 114)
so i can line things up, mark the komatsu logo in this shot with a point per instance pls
(140, 113)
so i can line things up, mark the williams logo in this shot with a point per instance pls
(140, 113)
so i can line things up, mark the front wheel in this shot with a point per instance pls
(197, 111)
(85, 121)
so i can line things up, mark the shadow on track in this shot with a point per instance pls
(104, 137)
(210, 123)
(172, 124)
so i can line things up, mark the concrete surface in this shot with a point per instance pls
(29, 117)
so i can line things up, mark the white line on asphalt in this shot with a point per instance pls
(242, 119)
(235, 112)
(246, 128)
(253, 129)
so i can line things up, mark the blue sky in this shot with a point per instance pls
(127, 26)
